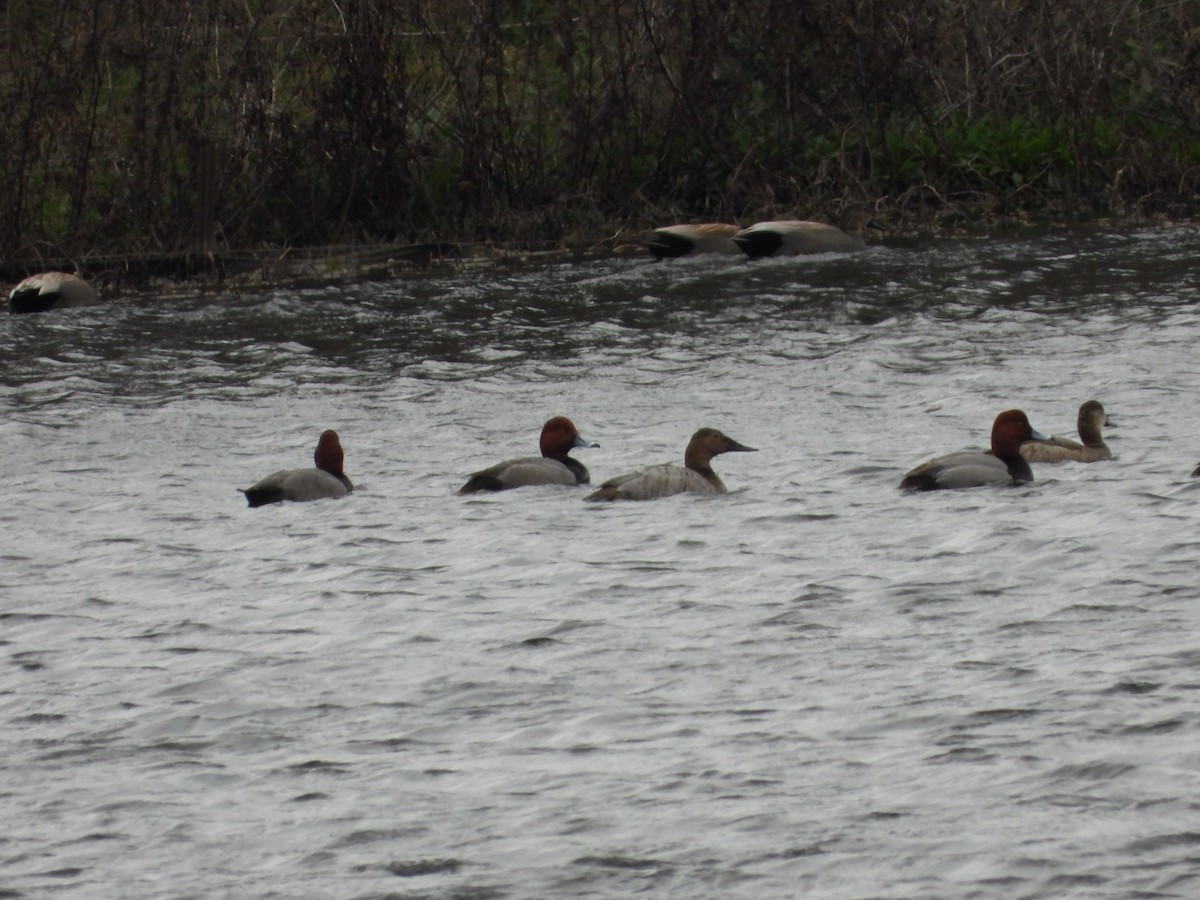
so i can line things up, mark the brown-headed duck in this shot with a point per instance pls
(1090, 423)
(974, 468)
(51, 290)
(692, 240)
(326, 480)
(796, 238)
(554, 466)
(696, 475)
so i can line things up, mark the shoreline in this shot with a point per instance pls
(267, 267)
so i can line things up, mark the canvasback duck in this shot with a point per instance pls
(974, 468)
(692, 240)
(796, 238)
(554, 466)
(51, 290)
(1090, 423)
(326, 480)
(695, 475)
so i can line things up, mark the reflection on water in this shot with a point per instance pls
(815, 685)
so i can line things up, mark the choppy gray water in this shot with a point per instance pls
(813, 686)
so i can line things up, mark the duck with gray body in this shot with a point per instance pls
(326, 480)
(976, 468)
(559, 436)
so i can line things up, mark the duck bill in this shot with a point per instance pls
(734, 445)
(581, 441)
(1035, 435)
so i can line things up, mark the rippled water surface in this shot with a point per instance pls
(812, 686)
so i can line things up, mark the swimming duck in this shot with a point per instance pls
(1092, 419)
(51, 290)
(690, 240)
(795, 238)
(326, 480)
(554, 466)
(974, 468)
(695, 475)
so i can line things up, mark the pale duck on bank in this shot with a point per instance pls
(554, 466)
(975, 468)
(785, 237)
(1089, 424)
(51, 290)
(298, 485)
(692, 240)
(696, 475)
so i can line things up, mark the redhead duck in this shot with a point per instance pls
(326, 480)
(1092, 419)
(796, 238)
(554, 466)
(695, 475)
(974, 468)
(51, 290)
(690, 240)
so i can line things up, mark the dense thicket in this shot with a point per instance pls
(318, 121)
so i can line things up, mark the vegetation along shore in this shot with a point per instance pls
(181, 132)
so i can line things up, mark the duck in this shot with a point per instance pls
(975, 468)
(554, 466)
(297, 485)
(790, 237)
(694, 476)
(1092, 419)
(692, 240)
(51, 290)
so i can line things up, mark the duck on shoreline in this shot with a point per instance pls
(785, 237)
(51, 290)
(673, 241)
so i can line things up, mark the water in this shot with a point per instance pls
(813, 686)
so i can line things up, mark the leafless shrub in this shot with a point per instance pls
(318, 121)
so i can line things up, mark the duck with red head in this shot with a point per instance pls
(695, 476)
(326, 480)
(554, 466)
(975, 468)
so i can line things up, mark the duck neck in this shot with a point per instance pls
(1018, 468)
(704, 470)
(578, 469)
